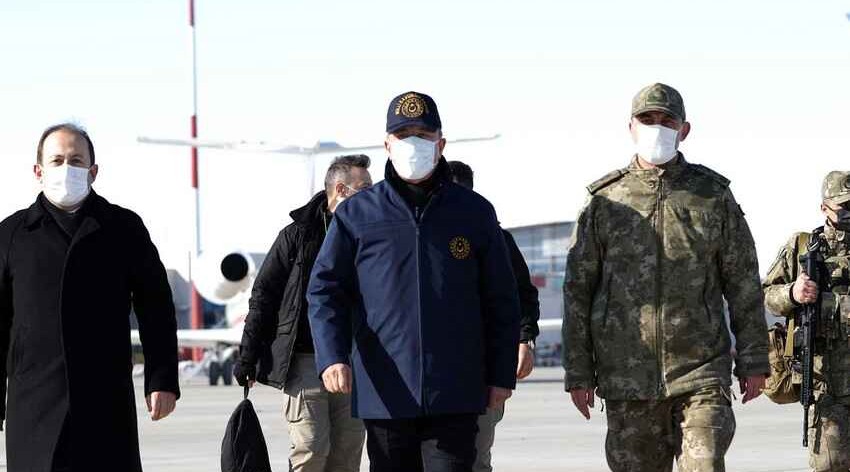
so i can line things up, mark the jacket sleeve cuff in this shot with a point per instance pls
(325, 362)
(163, 380)
(750, 367)
(527, 334)
(778, 299)
(573, 381)
(503, 383)
(573, 384)
(786, 301)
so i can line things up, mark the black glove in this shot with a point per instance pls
(244, 373)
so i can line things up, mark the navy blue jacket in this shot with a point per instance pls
(425, 309)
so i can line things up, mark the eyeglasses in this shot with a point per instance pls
(355, 190)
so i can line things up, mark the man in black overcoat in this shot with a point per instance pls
(71, 267)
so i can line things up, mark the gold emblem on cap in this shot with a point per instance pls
(411, 106)
(460, 248)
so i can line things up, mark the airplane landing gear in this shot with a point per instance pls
(221, 370)
(220, 366)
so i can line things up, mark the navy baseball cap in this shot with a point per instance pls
(413, 108)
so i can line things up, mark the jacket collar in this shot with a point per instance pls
(311, 213)
(93, 209)
(398, 193)
(670, 170)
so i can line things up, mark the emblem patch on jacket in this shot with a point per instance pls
(460, 248)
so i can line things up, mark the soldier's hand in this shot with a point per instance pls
(498, 396)
(160, 404)
(804, 291)
(583, 400)
(525, 363)
(337, 378)
(751, 387)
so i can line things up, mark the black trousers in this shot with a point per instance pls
(429, 444)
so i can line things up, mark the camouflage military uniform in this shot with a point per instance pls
(654, 253)
(829, 434)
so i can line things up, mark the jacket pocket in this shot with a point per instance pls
(287, 323)
(290, 306)
(695, 233)
(305, 400)
(713, 306)
(294, 405)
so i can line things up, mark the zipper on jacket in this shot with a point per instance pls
(422, 402)
(420, 217)
(297, 322)
(659, 279)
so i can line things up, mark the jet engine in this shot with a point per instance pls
(221, 277)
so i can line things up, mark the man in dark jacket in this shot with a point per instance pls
(530, 310)
(324, 436)
(71, 267)
(413, 292)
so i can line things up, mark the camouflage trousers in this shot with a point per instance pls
(694, 429)
(829, 435)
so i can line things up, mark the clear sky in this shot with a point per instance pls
(765, 84)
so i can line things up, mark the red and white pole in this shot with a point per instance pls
(196, 317)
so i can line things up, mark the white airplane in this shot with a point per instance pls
(224, 279)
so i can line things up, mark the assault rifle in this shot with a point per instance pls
(808, 329)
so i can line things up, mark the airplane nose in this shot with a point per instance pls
(234, 267)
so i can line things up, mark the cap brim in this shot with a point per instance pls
(839, 199)
(661, 109)
(414, 122)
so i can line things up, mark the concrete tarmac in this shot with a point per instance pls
(541, 431)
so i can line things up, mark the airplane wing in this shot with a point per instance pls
(243, 146)
(204, 338)
(329, 147)
(475, 139)
(321, 147)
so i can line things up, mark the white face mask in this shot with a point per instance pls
(413, 157)
(65, 186)
(656, 144)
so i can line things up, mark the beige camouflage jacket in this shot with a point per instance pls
(833, 344)
(653, 256)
